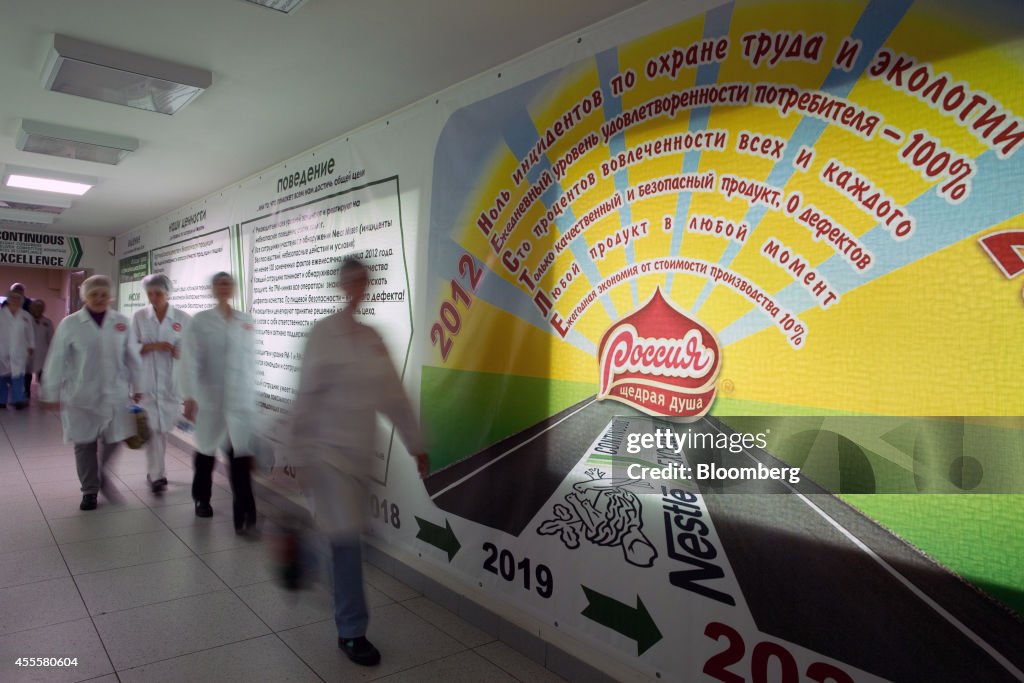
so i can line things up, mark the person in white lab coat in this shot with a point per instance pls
(158, 328)
(90, 374)
(16, 343)
(347, 377)
(218, 383)
(43, 329)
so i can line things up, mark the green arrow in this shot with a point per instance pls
(634, 623)
(76, 252)
(438, 536)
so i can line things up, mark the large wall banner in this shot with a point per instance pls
(713, 321)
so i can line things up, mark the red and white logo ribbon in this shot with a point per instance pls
(660, 361)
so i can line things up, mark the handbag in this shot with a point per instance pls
(142, 431)
(290, 554)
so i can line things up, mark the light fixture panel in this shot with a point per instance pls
(21, 206)
(282, 6)
(20, 177)
(73, 143)
(28, 197)
(76, 67)
(18, 225)
(19, 216)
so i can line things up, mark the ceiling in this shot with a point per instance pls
(281, 84)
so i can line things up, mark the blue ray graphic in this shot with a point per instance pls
(607, 68)
(873, 28)
(716, 24)
(988, 204)
(520, 136)
(463, 154)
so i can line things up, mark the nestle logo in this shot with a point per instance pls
(660, 361)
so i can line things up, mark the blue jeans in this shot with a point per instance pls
(346, 564)
(350, 614)
(14, 386)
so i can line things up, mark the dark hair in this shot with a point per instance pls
(350, 265)
(220, 276)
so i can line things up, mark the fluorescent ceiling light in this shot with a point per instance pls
(47, 181)
(27, 182)
(26, 216)
(283, 6)
(77, 67)
(73, 143)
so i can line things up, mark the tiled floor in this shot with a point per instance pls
(145, 591)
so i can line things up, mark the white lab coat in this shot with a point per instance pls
(217, 369)
(43, 328)
(163, 402)
(347, 377)
(93, 371)
(16, 338)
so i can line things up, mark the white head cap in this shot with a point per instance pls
(94, 282)
(157, 281)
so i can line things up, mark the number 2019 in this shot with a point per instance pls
(449, 320)
(503, 563)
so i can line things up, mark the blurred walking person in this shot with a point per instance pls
(347, 378)
(26, 303)
(16, 342)
(159, 328)
(92, 368)
(43, 332)
(218, 382)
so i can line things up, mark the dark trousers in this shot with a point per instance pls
(28, 383)
(241, 484)
(92, 464)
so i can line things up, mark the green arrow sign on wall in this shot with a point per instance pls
(439, 536)
(76, 253)
(633, 622)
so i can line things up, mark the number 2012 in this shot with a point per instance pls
(450, 320)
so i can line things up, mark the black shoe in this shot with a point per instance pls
(203, 510)
(88, 502)
(359, 650)
(3, 405)
(21, 405)
(158, 486)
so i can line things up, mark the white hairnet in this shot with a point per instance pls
(94, 282)
(157, 281)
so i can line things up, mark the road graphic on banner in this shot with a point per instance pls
(791, 564)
